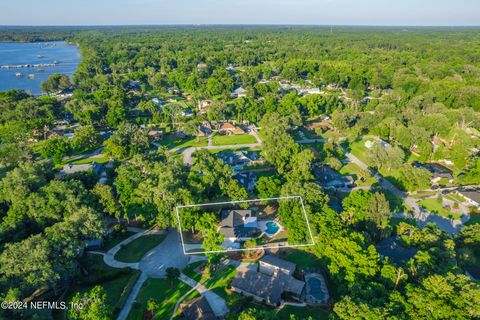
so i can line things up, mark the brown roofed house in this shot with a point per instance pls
(197, 309)
(227, 128)
(155, 134)
(203, 104)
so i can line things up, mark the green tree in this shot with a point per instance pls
(93, 304)
(86, 138)
(55, 147)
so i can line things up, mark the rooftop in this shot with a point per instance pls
(277, 262)
(198, 309)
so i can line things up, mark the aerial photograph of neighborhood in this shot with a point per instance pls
(239, 160)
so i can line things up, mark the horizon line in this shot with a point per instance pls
(246, 24)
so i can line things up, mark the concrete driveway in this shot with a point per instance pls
(168, 253)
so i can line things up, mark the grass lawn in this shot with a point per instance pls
(135, 250)
(219, 140)
(220, 280)
(436, 207)
(101, 160)
(358, 149)
(170, 143)
(115, 239)
(189, 270)
(303, 259)
(165, 292)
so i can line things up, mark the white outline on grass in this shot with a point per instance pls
(241, 201)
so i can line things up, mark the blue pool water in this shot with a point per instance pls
(316, 288)
(272, 227)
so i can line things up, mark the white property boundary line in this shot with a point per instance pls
(241, 201)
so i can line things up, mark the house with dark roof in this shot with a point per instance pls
(331, 179)
(267, 286)
(238, 159)
(438, 171)
(471, 196)
(197, 309)
(393, 249)
(272, 265)
(239, 225)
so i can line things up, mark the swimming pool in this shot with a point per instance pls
(317, 291)
(272, 228)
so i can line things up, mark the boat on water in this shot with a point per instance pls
(56, 62)
(40, 56)
(31, 76)
(18, 74)
(40, 70)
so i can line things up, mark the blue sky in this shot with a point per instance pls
(318, 12)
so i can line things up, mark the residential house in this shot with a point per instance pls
(472, 196)
(239, 225)
(370, 143)
(239, 92)
(155, 134)
(248, 180)
(187, 113)
(202, 66)
(203, 104)
(331, 179)
(272, 265)
(267, 287)
(438, 171)
(227, 128)
(307, 91)
(239, 159)
(197, 308)
(392, 248)
(319, 124)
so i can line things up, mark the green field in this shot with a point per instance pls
(164, 292)
(101, 160)
(135, 250)
(358, 149)
(436, 207)
(219, 140)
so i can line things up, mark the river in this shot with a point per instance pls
(43, 58)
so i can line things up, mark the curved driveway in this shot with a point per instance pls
(168, 253)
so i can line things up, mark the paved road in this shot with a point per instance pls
(168, 253)
(131, 297)
(216, 302)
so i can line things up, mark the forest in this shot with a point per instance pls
(417, 89)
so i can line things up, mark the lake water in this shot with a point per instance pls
(59, 57)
